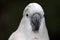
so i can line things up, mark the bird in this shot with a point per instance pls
(32, 25)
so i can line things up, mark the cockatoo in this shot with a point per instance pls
(32, 26)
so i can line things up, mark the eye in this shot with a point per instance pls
(27, 15)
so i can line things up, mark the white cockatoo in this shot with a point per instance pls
(32, 26)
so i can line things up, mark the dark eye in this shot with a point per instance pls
(26, 14)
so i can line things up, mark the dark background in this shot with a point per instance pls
(11, 13)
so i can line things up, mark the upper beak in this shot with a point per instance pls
(35, 21)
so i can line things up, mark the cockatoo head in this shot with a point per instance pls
(32, 25)
(32, 15)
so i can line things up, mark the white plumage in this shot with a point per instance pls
(25, 31)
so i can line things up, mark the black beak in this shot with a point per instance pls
(35, 21)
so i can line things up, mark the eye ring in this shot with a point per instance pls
(26, 14)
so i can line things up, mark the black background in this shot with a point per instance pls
(11, 13)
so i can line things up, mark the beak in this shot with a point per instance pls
(35, 21)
